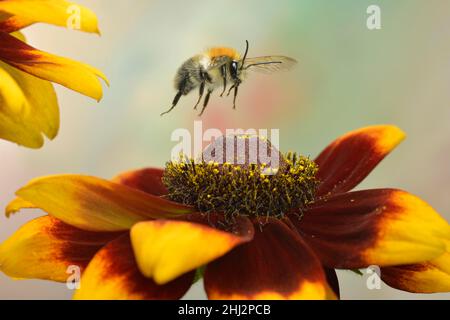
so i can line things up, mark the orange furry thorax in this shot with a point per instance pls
(222, 51)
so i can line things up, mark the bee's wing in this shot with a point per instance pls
(269, 64)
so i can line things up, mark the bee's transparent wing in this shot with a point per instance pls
(269, 64)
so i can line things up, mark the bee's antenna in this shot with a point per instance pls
(245, 55)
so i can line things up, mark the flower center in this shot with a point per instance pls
(242, 186)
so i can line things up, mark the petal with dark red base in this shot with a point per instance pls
(94, 204)
(9, 23)
(376, 227)
(349, 160)
(165, 249)
(147, 180)
(277, 264)
(45, 247)
(427, 277)
(114, 275)
(74, 75)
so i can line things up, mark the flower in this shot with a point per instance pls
(133, 240)
(28, 103)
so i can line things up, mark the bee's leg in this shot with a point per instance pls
(236, 92)
(231, 89)
(223, 71)
(174, 103)
(206, 102)
(202, 91)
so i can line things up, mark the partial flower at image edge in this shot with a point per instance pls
(134, 237)
(28, 104)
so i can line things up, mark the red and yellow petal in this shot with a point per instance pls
(277, 264)
(95, 204)
(348, 161)
(45, 248)
(376, 227)
(166, 249)
(9, 23)
(114, 275)
(74, 75)
(148, 180)
(18, 14)
(428, 277)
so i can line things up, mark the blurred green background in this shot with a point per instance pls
(348, 77)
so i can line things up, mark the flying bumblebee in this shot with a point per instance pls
(220, 67)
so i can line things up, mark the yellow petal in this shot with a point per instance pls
(74, 75)
(45, 248)
(416, 232)
(16, 205)
(58, 12)
(427, 277)
(95, 204)
(28, 108)
(165, 249)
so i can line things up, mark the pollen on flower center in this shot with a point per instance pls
(235, 177)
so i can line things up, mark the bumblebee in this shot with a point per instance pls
(220, 67)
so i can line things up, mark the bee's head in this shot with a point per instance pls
(237, 67)
(235, 70)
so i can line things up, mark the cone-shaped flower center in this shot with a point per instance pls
(243, 175)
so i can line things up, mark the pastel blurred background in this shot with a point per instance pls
(348, 77)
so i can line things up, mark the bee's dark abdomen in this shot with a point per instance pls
(184, 85)
(187, 79)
